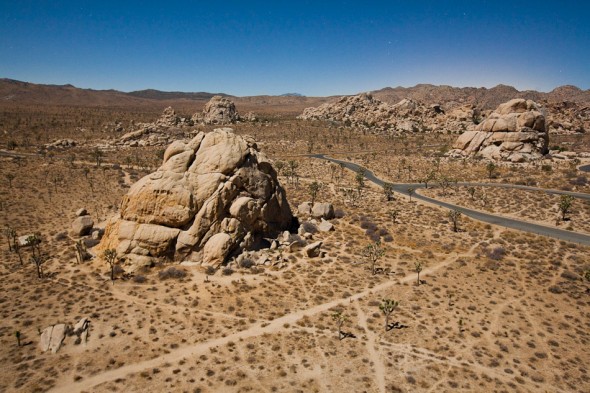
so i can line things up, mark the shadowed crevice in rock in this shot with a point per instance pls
(213, 197)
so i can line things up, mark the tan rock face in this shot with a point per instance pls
(218, 183)
(515, 131)
(219, 110)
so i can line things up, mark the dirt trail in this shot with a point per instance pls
(372, 350)
(253, 331)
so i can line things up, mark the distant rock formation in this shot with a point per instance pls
(156, 133)
(515, 131)
(365, 111)
(212, 198)
(220, 110)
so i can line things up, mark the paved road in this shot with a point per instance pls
(480, 216)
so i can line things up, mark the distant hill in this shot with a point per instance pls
(174, 95)
(13, 92)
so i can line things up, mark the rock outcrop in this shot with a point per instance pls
(220, 110)
(158, 133)
(82, 225)
(211, 198)
(515, 132)
(365, 111)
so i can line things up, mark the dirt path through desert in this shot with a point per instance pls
(256, 330)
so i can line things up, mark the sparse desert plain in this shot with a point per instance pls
(401, 295)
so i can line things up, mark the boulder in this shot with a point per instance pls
(81, 212)
(82, 226)
(514, 132)
(323, 210)
(213, 197)
(304, 208)
(219, 110)
(216, 249)
(313, 250)
(80, 326)
(325, 226)
(52, 338)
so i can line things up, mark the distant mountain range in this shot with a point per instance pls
(17, 92)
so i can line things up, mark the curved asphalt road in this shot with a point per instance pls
(477, 215)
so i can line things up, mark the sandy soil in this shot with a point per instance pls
(495, 310)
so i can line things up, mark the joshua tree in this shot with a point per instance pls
(314, 189)
(292, 173)
(491, 168)
(10, 177)
(17, 334)
(16, 248)
(471, 191)
(428, 178)
(80, 251)
(360, 180)
(393, 215)
(565, 204)
(444, 183)
(340, 319)
(279, 165)
(10, 234)
(454, 217)
(418, 269)
(388, 306)
(38, 260)
(388, 191)
(373, 252)
(97, 154)
(411, 192)
(34, 242)
(110, 255)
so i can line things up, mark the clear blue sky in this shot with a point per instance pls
(309, 47)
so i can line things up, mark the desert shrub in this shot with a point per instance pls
(388, 238)
(139, 279)
(570, 276)
(309, 227)
(210, 270)
(227, 271)
(383, 232)
(339, 213)
(579, 181)
(172, 272)
(546, 168)
(496, 253)
(555, 289)
(246, 263)
(373, 236)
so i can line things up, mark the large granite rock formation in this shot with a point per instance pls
(212, 197)
(514, 132)
(220, 110)
(364, 110)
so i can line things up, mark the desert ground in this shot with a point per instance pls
(480, 309)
